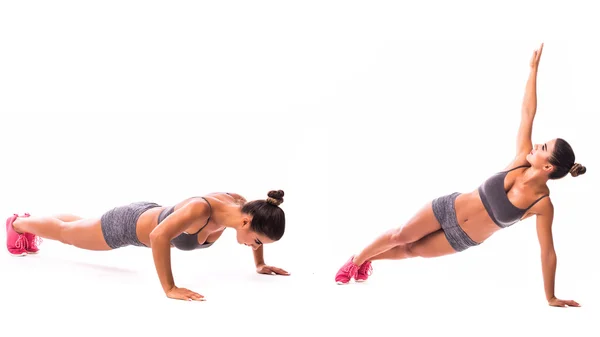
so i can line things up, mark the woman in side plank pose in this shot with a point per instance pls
(458, 221)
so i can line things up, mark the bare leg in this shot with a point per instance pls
(81, 233)
(422, 224)
(433, 245)
(67, 217)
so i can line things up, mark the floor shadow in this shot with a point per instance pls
(90, 265)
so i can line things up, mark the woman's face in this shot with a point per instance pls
(246, 236)
(539, 157)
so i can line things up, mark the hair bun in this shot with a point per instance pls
(577, 170)
(275, 197)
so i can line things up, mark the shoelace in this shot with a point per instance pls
(22, 242)
(36, 242)
(351, 268)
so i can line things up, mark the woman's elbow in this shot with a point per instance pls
(548, 254)
(156, 237)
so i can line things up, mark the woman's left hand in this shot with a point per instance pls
(268, 270)
(555, 302)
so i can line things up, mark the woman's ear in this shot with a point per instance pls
(245, 222)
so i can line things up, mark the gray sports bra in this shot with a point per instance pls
(185, 241)
(496, 202)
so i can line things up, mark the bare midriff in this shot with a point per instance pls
(146, 224)
(473, 217)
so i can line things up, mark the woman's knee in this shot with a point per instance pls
(65, 233)
(400, 237)
(403, 252)
(409, 250)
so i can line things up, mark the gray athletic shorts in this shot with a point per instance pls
(119, 224)
(443, 208)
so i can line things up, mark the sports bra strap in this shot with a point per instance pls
(514, 168)
(535, 202)
(209, 215)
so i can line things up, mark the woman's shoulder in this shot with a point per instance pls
(236, 196)
(225, 197)
(543, 203)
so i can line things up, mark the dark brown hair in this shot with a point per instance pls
(563, 160)
(267, 217)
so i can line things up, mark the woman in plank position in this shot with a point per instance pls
(193, 223)
(458, 221)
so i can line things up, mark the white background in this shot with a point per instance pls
(360, 111)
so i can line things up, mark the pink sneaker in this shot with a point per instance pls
(16, 243)
(364, 272)
(347, 272)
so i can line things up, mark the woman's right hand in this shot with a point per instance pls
(184, 294)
